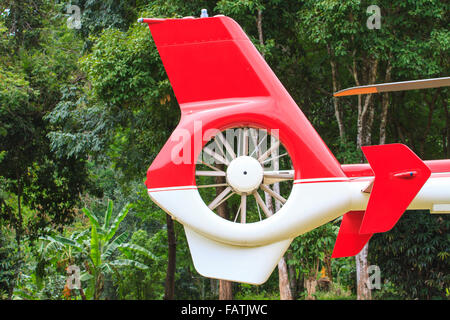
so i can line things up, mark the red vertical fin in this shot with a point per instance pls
(399, 176)
(210, 59)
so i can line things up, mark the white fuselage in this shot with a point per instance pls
(312, 202)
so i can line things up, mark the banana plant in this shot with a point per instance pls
(99, 245)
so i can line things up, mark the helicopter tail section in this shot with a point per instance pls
(399, 176)
(221, 81)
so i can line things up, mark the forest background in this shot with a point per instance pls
(85, 106)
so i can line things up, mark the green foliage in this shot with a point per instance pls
(39, 56)
(39, 278)
(344, 273)
(98, 253)
(414, 256)
(131, 107)
(137, 283)
(11, 262)
(76, 130)
(336, 292)
(242, 295)
(98, 15)
(310, 249)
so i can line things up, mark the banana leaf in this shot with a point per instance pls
(95, 246)
(115, 225)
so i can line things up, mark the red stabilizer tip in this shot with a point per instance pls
(349, 241)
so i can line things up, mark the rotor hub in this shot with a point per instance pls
(244, 174)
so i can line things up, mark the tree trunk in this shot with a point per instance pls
(327, 262)
(225, 287)
(366, 113)
(337, 107)
(99, 284)
(385, 105)
(283, 277)
(431, 106)
(285, 290)
(19, 220)
(362, 276)
(310, 285)
(260, 31)
(293, 281)
(447, 125)
(225, 290)
(169, 288)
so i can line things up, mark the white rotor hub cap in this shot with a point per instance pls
(245, 174)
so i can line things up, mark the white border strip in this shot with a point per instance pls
(439, 173)
(334, 179)
(172, 188)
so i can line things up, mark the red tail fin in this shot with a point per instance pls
(399, 176)
(210, 59)
(349, 241)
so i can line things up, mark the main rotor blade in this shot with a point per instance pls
(395, 86)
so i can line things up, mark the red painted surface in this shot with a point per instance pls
(364, 169)
(399, 176)
(349, 241)
(221, 80)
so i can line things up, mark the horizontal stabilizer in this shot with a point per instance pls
(349, 241)
(218, 260)
(399, 176)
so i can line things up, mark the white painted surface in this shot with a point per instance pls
(252, 265)
(245, 174)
